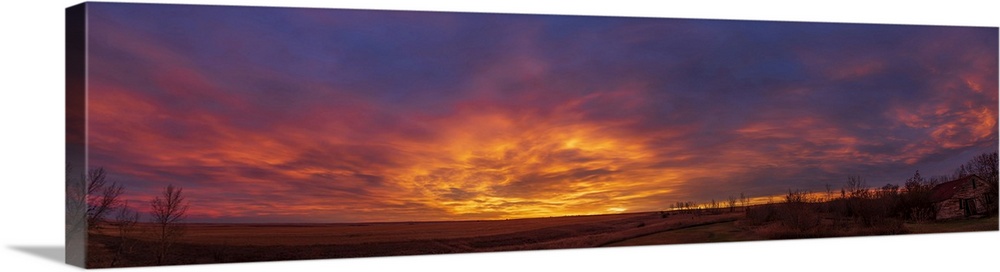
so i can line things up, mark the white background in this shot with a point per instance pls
(31, 152)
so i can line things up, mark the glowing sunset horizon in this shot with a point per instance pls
(325, 115)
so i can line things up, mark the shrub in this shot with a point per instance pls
(798, 216)
(759, 215)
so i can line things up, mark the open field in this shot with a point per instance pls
(977, 224)
(717, 232)
(214, 243)
(355, 233)
(210, 243)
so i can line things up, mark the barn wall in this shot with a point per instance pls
(951, 208)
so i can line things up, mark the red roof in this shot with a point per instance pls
(946, 190)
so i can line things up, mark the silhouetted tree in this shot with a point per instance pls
(887, 200)
(744, 200)
(889, 190)
(862, 203)
(76, 215)
(76, 202)
(732, 203)
(960, 172)
(795, 196)
(915, 203)
(982, 165)
(829, 192)
(125, 221)
(856, 187)
(167, 213)
(985, 166)
(102, 197)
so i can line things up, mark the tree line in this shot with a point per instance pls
(105, 207)
(870, 205)
(869, 210)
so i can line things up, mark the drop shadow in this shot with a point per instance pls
(52, 253)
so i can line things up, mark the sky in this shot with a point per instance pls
(324, 115)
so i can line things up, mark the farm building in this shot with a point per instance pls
(961, 198)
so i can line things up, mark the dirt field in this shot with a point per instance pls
(213, 243)
(355, 233)
(717, 232)
(220, 243)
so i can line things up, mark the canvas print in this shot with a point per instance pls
(213, 134)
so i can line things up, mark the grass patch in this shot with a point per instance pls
(964, 225)
(720, 232)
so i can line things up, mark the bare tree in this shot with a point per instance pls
(856, 186)
(744, 200)
(829, 192)
(985, 166)
(167, 213)
(76, 215)
(795, 196)
(102, 197)
(731, 202)
(125, 221)
(960, 172)
(76, 201)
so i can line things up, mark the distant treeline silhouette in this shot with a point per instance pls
(864, 210)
